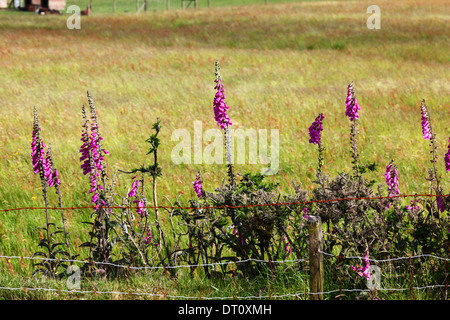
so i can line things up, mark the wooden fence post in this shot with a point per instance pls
(315, 258)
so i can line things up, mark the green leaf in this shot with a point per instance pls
(86, 244)
(42, 254)
(43, 243)
(55, 232)
(62, 252)
(113, 223)
(58, 244)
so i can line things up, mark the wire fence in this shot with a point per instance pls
(304, 293)
(443, 285)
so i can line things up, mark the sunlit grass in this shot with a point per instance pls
(281, 64)
(280, 70)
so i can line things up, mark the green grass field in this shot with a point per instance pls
(124, 6)
(282, 64)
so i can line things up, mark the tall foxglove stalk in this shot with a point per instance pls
(314, 133)
(447, 169)
(224, 122)
(426, 129)
(447, 158)
(428, 134)
(351, 111)
(92, 155)
(198, 185)
(39, 164)
(42, 162)
(351, 104)
(392, 180)
(220, 108)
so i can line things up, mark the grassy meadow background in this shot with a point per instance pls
(281, 63)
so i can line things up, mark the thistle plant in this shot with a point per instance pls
(314, 132)
(146, 233)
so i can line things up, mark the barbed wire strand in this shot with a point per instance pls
(226, 263)
(229, 206)
(156, 267)
(271, 296)
(216, 297)
(387, 260)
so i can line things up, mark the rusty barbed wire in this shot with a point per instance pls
(229, 206)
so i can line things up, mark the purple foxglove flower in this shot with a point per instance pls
(140, 207)
(91, 155)
(391, 176)
(351, 104)
(447, 157)
(42, 160)
(236, 233)
(84, 150)
(55, 177)
(219, 104)
(35, 154)
(48, 173)
(315, 129)
(363, 272)
(148, 237)
(134, 187)
(426, 130)
(287, 247)
(198, 185)
(305, 214)
(440, 204)
(413, 208)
